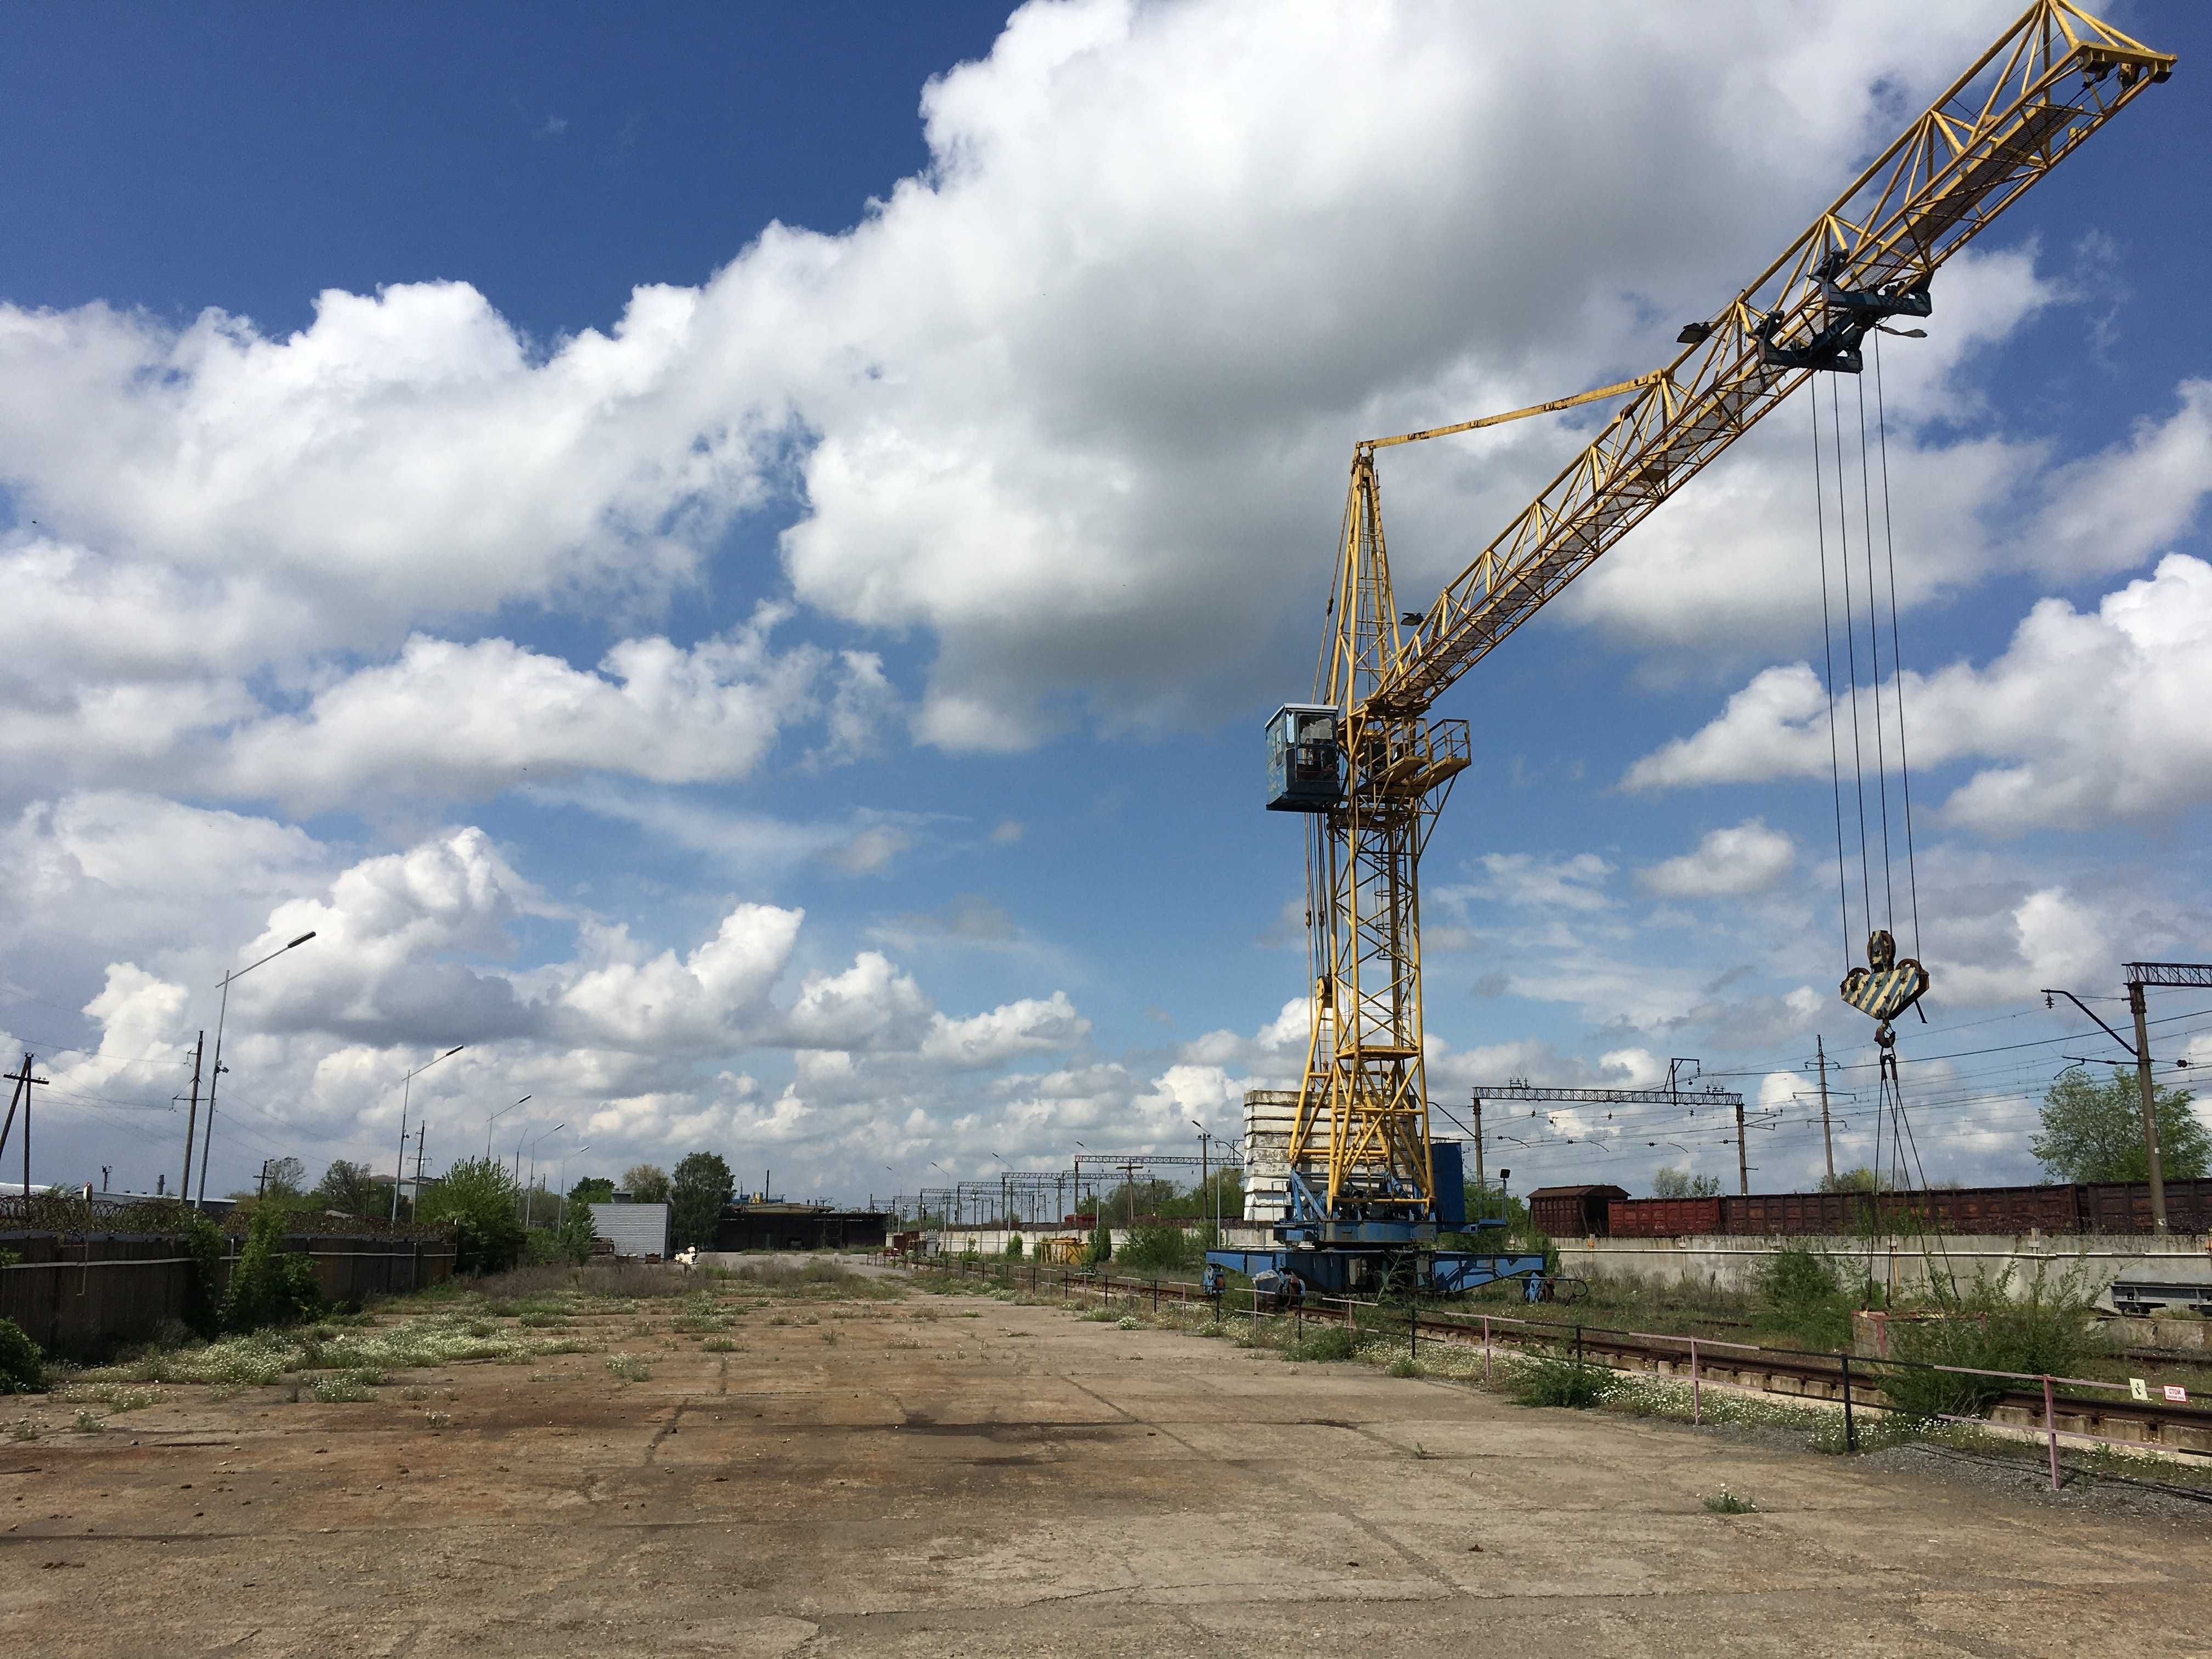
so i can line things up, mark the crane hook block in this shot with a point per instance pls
(1888, 984)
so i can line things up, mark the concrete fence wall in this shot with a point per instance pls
(992, 1240)
(81, 1297)
(1729, 1263)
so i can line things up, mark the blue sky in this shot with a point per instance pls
(548, 499)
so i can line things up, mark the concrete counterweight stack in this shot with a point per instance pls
(1269, 1116)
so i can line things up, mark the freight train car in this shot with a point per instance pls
(2096, 1207)
(1573, 1212)
(1663, 1217)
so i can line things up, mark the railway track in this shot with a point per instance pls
(1815, 1378)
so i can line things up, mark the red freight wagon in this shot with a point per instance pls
(1573, 1212)
(1663, 1218)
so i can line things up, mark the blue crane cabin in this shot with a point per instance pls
(1305, 763)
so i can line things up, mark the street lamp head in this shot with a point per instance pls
(302, 939)
(525, 1098)
(450, 1051)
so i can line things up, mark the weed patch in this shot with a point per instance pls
(1327, 1343)
(1725, 1502)
(1565, 1383)
(345, 1389)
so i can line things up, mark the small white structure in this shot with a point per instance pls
(634, 1229)
(1269, 1114)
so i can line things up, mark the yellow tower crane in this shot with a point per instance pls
(1373, 769)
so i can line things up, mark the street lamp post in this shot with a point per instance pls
(495, 1118)
(208, 1145)
(529, 1192)
(407, 1083)
(560, 1180)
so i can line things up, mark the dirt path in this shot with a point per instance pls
(937, 1475)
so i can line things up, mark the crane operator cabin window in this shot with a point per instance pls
(1305, 772)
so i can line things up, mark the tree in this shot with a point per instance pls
(592, 1189)
(347, 1189)
(701, 1185)
(283, 1177)
(1488, 1199)
(477, 1196)
(646, 1183)
(1680, 1183)
(2092, 1131)
(1861, 1180)
(1101, 1248)
(574, 1232)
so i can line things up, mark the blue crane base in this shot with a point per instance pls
(1345, 1272)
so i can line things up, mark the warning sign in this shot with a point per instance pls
(2176, 1396)
(2137, 1389)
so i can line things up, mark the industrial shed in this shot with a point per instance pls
(779, 1226)
(639, 1231)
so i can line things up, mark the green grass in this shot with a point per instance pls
(345, 1389)
(629, 1367)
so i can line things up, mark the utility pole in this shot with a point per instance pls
(421, 1130)
(1827, 1139)
(1482, 1186)
(24, 1082)
(192, 1117)
(2139, 974)
(2148, 1097)
(1743, 1158)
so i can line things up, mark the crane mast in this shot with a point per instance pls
(1372, 767)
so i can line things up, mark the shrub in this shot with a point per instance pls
(1156, 1249)
(1725, 1502)
(1801, 1294)
(1100, 1247)
(1567, 1383)
(1014, 1247)
(1325, 1343)
(267, 1285)
(22, 1367)
(2044, 1332)
(202, 1242)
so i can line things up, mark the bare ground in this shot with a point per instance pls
(959, 1475)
